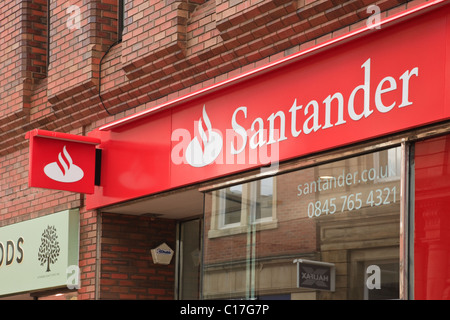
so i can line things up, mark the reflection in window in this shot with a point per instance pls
(432, 218)
(239, 206)
(389, 164)
(230, 206)
(263, 199)
(344, 214)
(388, 286)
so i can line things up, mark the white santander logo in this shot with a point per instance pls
(64, 170)
(200, 154)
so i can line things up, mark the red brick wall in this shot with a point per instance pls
(127, 269)
(23, 59)
(169, 48)
(75, 53)
(89, 222)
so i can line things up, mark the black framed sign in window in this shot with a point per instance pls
(315, 275)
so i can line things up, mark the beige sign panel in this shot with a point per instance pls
(40, 253)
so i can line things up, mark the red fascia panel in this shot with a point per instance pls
(405, 15)
(61, 136)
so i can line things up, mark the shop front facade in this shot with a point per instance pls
(303, 191)
(320, 175)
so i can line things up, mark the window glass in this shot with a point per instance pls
(263, 199)
(189, 255)
(432, 219)
(325, 232)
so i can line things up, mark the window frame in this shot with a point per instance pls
(219, 229)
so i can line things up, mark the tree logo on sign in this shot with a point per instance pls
(49, 249)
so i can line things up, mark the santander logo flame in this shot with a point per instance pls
(64, 170)
(201, 153)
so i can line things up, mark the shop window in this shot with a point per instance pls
(343, 215)
(237, 207)
(432, 219)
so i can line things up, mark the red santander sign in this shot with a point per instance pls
(251, 130)
(61, 161)
(350, 90)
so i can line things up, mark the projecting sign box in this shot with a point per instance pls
(62, 161)
(315, 275)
